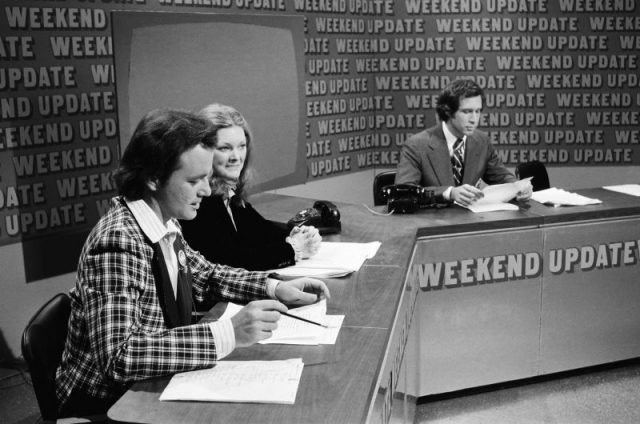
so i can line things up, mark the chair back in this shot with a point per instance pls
(42, 344)
(538, 171)
(381, 180)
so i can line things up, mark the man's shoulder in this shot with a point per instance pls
(424, 137)
(117, 223)
(481, 137)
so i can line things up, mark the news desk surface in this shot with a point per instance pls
(386, 355)
(340, 383)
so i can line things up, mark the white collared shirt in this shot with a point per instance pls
(157, 232)
(222, 330)
(227, 204)
(451, 139)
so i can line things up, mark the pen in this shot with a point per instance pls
(303, 319)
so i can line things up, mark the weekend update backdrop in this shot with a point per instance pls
(562, 80)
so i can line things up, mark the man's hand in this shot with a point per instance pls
(525, 193)
(256, 321)
(466, 194)
(301, 291)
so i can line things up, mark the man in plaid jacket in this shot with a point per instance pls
(137, 279)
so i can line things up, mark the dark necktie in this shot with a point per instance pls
(176, 309)
(183, 292)
(457, 161)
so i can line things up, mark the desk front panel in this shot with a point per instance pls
(591, 294)
(393, 403)
(478, 316)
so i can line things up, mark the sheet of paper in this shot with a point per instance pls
(559, 197)
(330, 335)
(488, 207)
(239, 381)
(496, 197)
(630, 189)
(293, 331)
(334, 259)
(502, 193)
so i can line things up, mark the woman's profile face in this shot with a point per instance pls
(229, 154)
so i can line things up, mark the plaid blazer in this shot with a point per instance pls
(117, 332)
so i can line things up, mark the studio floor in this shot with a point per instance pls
(603, 395)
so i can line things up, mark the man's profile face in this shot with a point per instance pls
(182, 193)
(467, 117)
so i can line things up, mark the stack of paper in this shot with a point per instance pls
(239, 381)
(496, 196)
(334, 259)
(293, 331)
(630, 189)
(558, 197)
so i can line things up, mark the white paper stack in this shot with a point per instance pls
(630, 189)
(496, 197)
(239, 381)
(559, 197)
(334, 259)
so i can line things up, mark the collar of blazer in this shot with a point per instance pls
(440, 160)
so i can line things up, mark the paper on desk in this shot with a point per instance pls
(239, 381)
(334, 259)
(496, 196)
(478, 207)
(293, 331)
(559, 197)
(631, 189)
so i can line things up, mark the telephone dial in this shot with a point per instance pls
(324, 215)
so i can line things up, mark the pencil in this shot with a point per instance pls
(303, 319)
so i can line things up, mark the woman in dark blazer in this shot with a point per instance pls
(227, 229)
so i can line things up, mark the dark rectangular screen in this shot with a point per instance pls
(188, 60)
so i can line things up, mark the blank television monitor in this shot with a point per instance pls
(188, 60)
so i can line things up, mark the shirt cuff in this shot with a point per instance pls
(447, 193)
(223, 336)
(272, 283)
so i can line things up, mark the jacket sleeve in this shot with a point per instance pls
(413, 167)
(126, 329)
(495, 171)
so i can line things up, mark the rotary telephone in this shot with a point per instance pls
(407, 198)
(324, 215)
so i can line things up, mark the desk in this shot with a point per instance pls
(354, 381)
(557, 289)
(517, 322)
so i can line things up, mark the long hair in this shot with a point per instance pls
(153, 153)
(448, 101)
(223, 116)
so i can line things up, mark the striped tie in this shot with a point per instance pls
(457, 161)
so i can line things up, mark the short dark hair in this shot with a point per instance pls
(161, 136)
(448, 101)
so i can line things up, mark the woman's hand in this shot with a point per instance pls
(305, 241)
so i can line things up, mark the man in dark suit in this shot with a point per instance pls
(453, 158)
(136, 280)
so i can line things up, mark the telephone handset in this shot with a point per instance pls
(324, 215)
